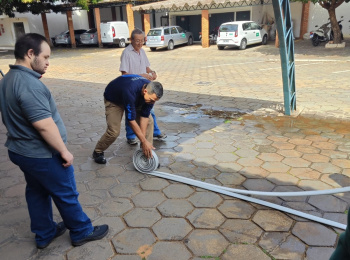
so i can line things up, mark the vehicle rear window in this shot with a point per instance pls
(154, 33)
(228, 28)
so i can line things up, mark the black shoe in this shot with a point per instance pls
(98, 233)
(160, 137)
(60, 229)
(132, 141)
(99, 157)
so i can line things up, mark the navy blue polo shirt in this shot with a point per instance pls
(126, 91)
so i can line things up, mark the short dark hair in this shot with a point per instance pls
(136, 31)
(26, 42)
(155, 87)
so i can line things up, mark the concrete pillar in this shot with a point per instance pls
(147, 23)
(46, 28)
(205, 28)
(71, 29)
(304, 19)
(130, 16)
(98, 27)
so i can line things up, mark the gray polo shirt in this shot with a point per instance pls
(133, 62)
(24, 99)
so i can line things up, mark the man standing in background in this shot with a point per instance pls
(135, 61)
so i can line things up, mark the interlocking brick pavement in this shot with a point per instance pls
(223, 114)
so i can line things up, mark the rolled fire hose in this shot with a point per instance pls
(149, 166)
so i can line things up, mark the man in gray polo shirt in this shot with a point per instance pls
(135, 61)
(36, 138)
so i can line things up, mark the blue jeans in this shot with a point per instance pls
(47, 179)
(130, 133)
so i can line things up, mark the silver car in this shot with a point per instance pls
(89, 37)
(168, 36)
(64, 38)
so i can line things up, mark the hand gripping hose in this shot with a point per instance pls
(148, 166)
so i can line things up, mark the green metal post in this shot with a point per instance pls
(283, 22)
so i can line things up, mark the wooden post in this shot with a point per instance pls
(147, 23)
(71, 29)
(98, 27)
(205, 28)
(304, 19)
(46, 28)
(130, 16)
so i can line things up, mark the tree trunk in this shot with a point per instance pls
(334, 25)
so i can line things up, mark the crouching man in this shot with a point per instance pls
(135, 96)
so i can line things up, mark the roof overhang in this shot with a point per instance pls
(191, 5)
(114, 3)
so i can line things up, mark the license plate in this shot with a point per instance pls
(225, 40)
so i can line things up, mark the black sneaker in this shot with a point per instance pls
(160, 137)
(132, 141)
(60, 229)
(99, 158)
(98, 233)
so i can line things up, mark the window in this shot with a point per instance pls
(255, 26)
(154, 33)
(246, 26)
(180, 30)
(166, 31)
(228, 28)
(173, 30)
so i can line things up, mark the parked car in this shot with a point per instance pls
(115, 33)
(240, 34)
(168, 36)
(89, 37)
(64, 38)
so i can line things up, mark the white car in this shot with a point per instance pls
(240, 34)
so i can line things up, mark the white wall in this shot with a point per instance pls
(8, 38)
(318, 16)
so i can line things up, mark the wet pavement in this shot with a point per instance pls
(223, 114)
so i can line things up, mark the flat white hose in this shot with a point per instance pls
(229, 192)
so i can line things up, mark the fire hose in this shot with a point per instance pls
(149, 166)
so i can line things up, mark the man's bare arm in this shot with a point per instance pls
(48, 129)
(140, 132)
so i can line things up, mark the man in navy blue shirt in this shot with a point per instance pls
(135, 96)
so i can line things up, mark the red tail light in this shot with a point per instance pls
(236, 33)
(162, 38)
(92, 36)
(113, 32)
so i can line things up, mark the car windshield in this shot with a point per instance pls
(228, 28)
(154, 33)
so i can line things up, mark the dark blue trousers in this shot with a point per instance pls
(47, 179)
(130, 133)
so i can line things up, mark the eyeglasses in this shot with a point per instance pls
(139, 41)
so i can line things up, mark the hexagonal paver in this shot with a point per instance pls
(272, 240)
(178, 191)
(115, 207)
(230, 178)
(102, 183)
(328, 203)
(240, 231)
(142, 217)
(290, 153)
(316, 158)
(171, 229)
(206, 243)
(205, 172)
(225, 157)
(305, 173)
(154, 184)
(290, 189)
(148, 199)
(270, 157)
(250, 162)
(236, 209)
(206, 218)
(325, 167)
(324, 145)
(250, 252)
(283, 179)
(205, 199)
(100, 249)
(296, 162)
(299, 141)
(342, 163)
(258, 185)
(228, 167)
(283, 145)
(317, 253)
(125, 190)
(314, 185)
(275, 167)
(130, 241)
(314, 234)
(169, 251)
(291, 248)
(175, 208)
(246, 153)
(271, 220)
(254, 172)
(115, 225)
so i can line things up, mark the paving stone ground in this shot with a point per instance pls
(223, 114)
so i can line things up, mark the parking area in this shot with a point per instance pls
(223, 113)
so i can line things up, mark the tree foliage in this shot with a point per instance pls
(330, 6)
(9, 7)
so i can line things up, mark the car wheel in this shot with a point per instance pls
(122, 43)
(190, 41)
(221, 47)
(264, 40)
(170, 45)
(243, 44)
(153, 48)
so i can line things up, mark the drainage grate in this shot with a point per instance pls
(173, 104)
